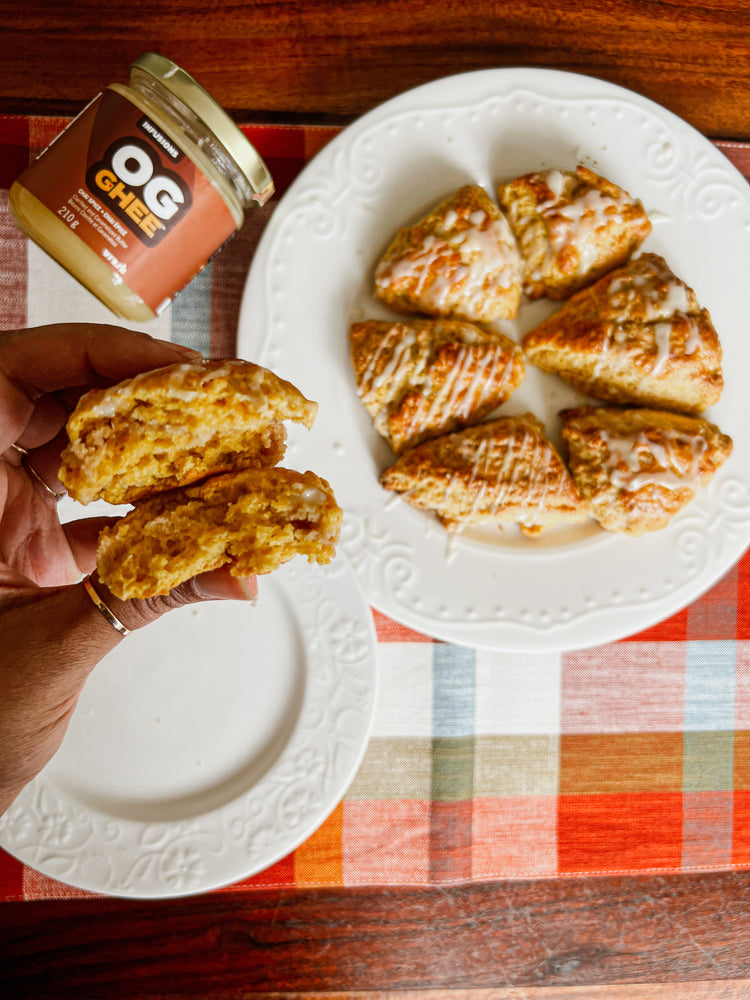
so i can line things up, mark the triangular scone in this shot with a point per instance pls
(502, 471)
(421, 378)
(459, 261)
(637, 336)
(636, 468)
(571, 227)
(176, 425)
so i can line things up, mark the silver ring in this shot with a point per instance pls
(101, 607)
(30, 468)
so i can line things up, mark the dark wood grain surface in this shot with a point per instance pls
(313, 57)
(685, 937)
(547, 936)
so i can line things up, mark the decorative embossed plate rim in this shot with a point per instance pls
(311, 277)
(157, 848)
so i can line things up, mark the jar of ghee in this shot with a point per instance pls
(141, 189)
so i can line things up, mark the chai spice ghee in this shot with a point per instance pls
(139, 191)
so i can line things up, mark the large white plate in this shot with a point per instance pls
(312, 276)
(208, 745)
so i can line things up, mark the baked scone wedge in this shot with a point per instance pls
(571, 227)
(253, 520)
(421, 378)
(502, 471)
(459, 261)
(177, 425)
(637, 336)
(635, 468)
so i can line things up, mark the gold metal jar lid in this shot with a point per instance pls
(217, 121)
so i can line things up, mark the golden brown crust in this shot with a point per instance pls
(636, 468)
(459, 261)
(501, 471)
(637, 336)
(253, 520)
(421, 378)
(177, 425)
(571, 227)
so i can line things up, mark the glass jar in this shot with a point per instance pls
(141, 189)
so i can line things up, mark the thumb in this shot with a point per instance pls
(135, 613)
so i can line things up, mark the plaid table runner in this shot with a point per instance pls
(631, 757)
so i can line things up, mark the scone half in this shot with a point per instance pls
(253, 521)
(177, 425)
(636, 468)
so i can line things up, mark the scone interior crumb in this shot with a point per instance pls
(171, 452)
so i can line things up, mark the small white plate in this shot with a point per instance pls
(312, 276)
(209, 745)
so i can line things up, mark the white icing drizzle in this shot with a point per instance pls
(636, 453)
(655, 297)
(492, 492)
(662, 333)
(223, 371)
(555, 181)
(394, 370)
(391, 502)
(313, 497)
(454, 397)
(663, 304)
(485, 250)
(644, 288)
(419, 265)
(184, 395)
(107, 408)
(451, 546)
(693, 339)
(603, 353)
(122, 396)
(584, 216)
(400, 357)
(458, 396)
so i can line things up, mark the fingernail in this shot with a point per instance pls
(183, 351)
(249, 586)
(221, 586)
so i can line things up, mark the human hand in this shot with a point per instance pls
(51, 633)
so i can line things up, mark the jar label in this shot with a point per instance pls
(128, 191)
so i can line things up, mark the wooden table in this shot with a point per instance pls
(680, 936)
(320, 58)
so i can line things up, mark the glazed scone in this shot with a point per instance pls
(254, 520)
(177, 425)
(636, 468)
(636, 336)
(571, 227)
(459, 261)
(421, 378)
(502, 471)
